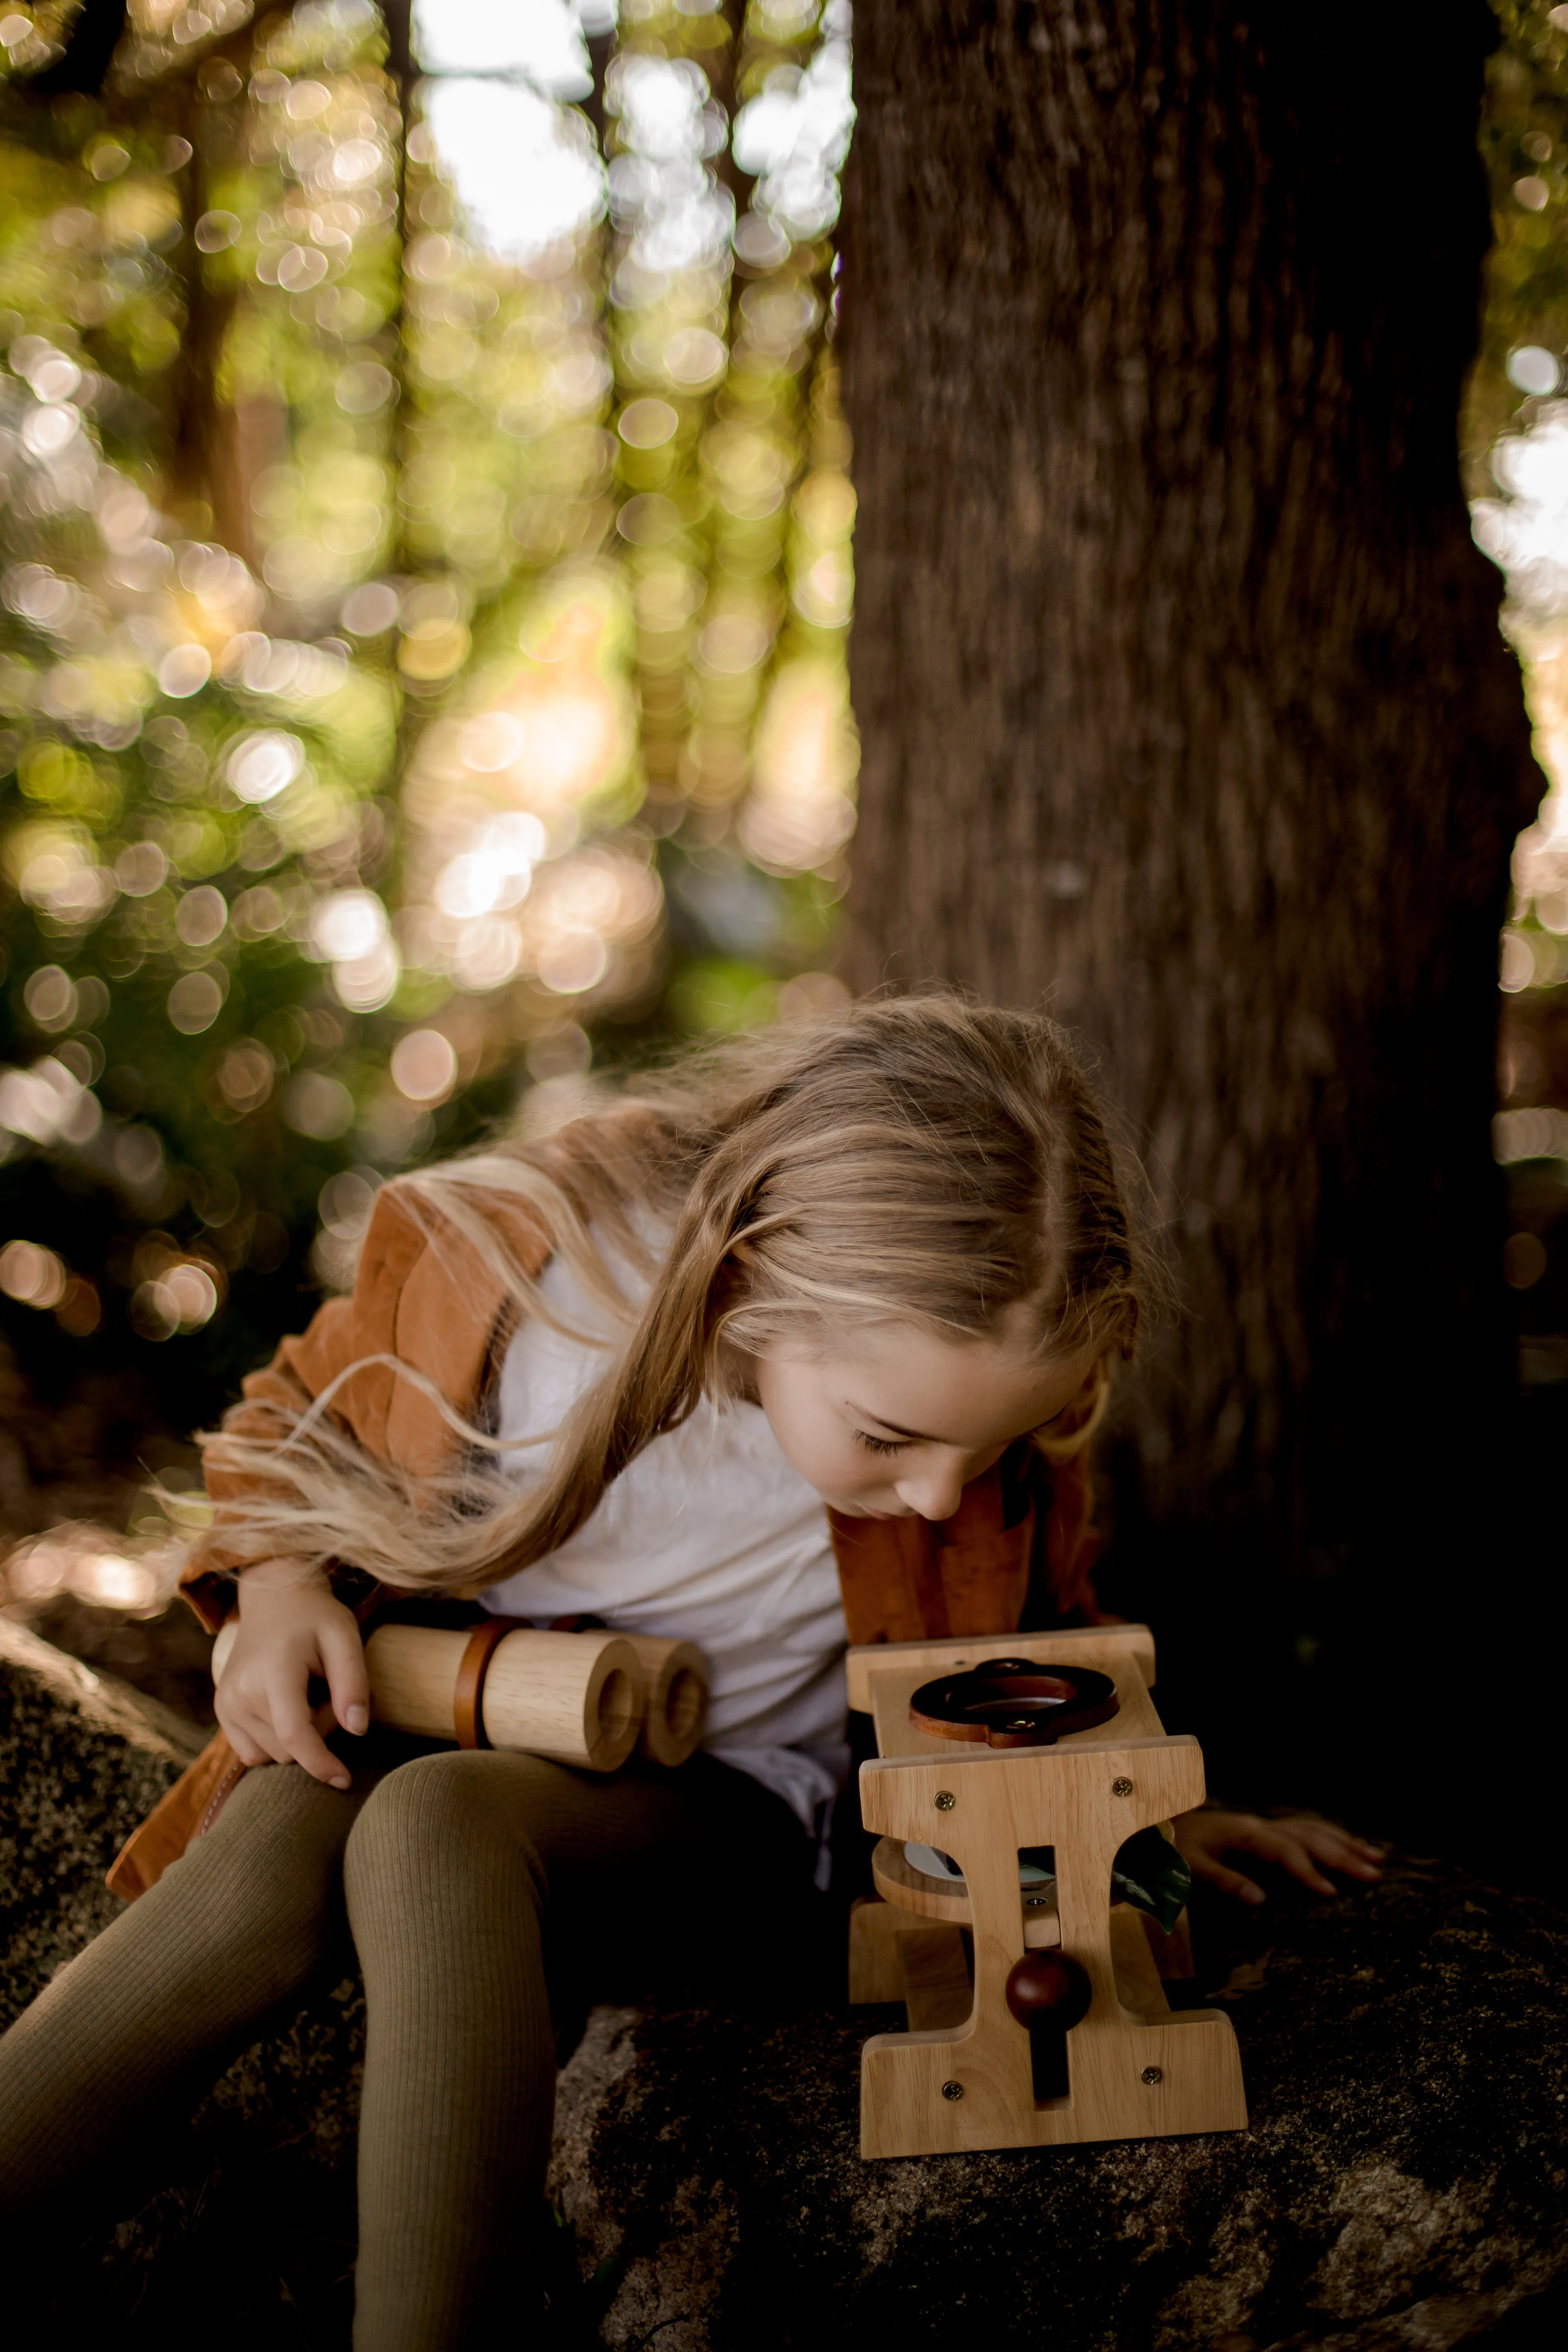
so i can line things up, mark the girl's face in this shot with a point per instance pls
(895, 1423)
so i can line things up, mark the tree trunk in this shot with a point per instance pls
(1185, 712)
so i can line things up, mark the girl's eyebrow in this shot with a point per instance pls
(919, 1435)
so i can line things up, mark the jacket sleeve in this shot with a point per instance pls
(421, 1296)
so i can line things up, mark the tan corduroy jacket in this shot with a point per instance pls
(1019, 1548)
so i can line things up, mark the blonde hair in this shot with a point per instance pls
(920, 1160)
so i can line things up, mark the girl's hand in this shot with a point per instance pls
(1299, 1842)
(291, 1629)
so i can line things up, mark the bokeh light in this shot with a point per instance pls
(1514, 438)
(425, 577)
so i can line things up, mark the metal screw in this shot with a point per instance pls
(1122, 1788)
(1034, 1903)
(945, 1801)
(1153, 2074)
(953, 2090)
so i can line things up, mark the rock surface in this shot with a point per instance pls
(1402, 2188)
(82, 1759)
(1403, 2183)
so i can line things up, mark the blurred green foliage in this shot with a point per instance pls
(1525, 145)
(421, 641)
(1514, 444)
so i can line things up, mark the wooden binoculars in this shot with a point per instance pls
(995, 1962)
(586, 1699)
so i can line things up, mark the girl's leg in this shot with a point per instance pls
(451, 1868)
(236, 1925)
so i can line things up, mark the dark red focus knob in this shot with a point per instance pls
(1048, 1989)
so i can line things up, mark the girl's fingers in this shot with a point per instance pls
(303, 1744)
(239, 1726)
(253, 1739)
(1296, 1859)
(342, 1662)
(1281, 1845)
(1229, 1881)
(1336, 1847)
(247, 1749)
(1348, 1858)
(1296, 1844)
(308, 1749)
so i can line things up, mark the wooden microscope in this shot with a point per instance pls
(1007, 2049)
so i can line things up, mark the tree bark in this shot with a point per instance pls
(1184, 708)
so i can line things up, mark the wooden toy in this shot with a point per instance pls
(677, 1674)
(1058, 2029)
(584, 1699)
(576, 1697)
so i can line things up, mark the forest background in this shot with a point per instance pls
(426, 578)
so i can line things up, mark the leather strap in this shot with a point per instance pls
(467, 1693)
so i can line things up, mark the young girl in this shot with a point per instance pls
(881, 1266)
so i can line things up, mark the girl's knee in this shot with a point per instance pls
(441, 1814)
(285, 1804)
(275, 1852)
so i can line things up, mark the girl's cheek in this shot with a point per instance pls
(826, 1465)
(833, 1466)
(859, 1473)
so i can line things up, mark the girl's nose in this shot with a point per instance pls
(933, 1490)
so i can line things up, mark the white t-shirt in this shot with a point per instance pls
(709, 1535)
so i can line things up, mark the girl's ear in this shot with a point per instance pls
(1079, 1415)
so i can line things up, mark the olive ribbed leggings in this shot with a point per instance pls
(449, 1865)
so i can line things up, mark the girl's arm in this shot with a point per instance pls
(1299, 1842)
(291, 1631)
